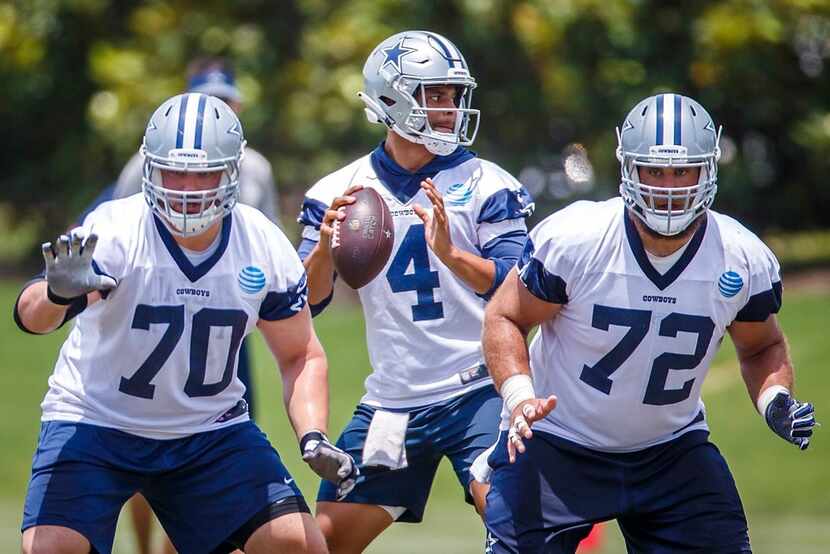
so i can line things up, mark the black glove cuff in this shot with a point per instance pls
(60, 300)
(312, 436)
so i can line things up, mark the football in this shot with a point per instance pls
(362, 242)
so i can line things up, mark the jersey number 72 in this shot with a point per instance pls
(639, 322)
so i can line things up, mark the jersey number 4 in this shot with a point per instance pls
(422, 280)
(638, 322)
(173, 316)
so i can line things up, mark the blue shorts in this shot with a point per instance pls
(459, 428)
(674, 497)
(203, 488)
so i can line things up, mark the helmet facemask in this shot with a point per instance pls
(668, 211)
(188, 213)
(417, 128)
(192, 133)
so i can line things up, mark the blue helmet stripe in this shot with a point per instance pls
(443, 46)
(200, 117)
(180, 130)
(677, 118)
(659, 119)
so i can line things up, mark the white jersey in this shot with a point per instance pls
(256, 182)
(423, 324)
(628, 352)
(157, 356)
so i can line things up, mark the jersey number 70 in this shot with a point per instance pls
(140, 383)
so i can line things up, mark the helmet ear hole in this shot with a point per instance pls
(386, 100)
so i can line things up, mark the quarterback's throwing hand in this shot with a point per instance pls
(791, 420)
(329, 462)
(69, 272)
(523, 416)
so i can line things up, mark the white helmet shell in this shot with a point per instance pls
(395, 76)
(668, 130)
(192, 133)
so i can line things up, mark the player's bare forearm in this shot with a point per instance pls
(36, 312)
(510, 315)
(475, 271)
(763, 355)
(320, 270)
(303, 368)
(306, 392)
(505, 349)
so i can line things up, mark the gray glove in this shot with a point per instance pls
(329, 462)
(69, 272)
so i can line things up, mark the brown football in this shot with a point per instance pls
(361, 243)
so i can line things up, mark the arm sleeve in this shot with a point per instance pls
(501, 228)
(765, 293)
(75, 308)
(504, 250)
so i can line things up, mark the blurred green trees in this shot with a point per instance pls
(78, 78)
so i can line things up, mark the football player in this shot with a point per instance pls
(144, 395)
(459, 227)
(633, 296)
(214, 76)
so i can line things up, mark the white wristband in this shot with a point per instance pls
(516, 389)
(767, 396)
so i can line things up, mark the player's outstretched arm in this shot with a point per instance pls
(510, 315)
(768, 373)
(318, 264)
(474, 270)
(304, 371)
(70, 283)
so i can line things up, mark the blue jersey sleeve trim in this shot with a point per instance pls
(506, 204)
(312, 212)
(543, 284)
(305, 248)
(282, 305)
(504, 251)
(760, 306)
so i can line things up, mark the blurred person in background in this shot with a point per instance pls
(603, 417)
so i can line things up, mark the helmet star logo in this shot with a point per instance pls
(234, 130)
(395, 53)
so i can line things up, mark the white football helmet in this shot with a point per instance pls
(192, 133)
(395, 76)
(668, 130)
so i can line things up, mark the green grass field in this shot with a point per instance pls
(785, 492)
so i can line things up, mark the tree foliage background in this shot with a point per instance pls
(78, 79)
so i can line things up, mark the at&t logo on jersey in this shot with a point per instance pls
(730, 284)
(459, 193)
(251, 280)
